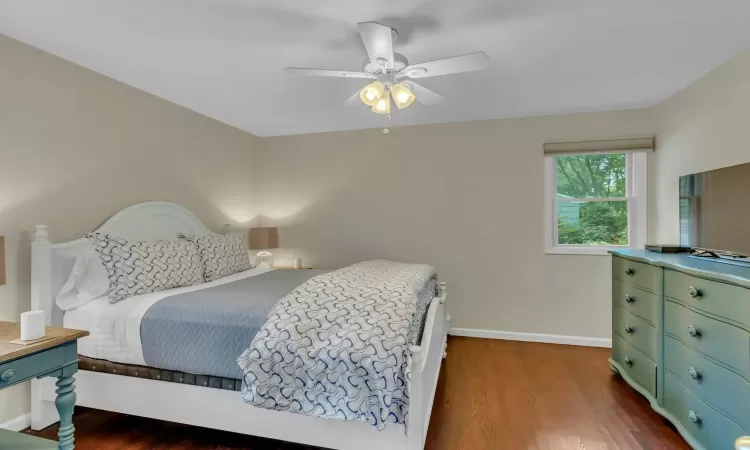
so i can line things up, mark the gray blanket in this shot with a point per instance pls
(204, 332)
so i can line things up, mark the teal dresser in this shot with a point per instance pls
(681, 337)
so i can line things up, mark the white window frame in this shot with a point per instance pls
(636, 174)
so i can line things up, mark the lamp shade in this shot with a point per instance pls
(402, 95)
(383, 106)
(372, 93)
(263, 238)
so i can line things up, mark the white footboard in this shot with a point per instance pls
(425, 370)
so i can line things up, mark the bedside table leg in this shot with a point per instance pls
(65, 401)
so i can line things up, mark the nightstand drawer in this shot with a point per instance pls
(636, 366)
(642, 303)
(634, 273)
(18, 370)
(720, 387)
(635, 331)
(720, 299)
(720, 341)
(713, 429)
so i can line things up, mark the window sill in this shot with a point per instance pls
(591, 251)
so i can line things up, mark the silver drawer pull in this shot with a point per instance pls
(628, 361)
(694, 292)
(694, 417)
(629, 299)
(8, 375)
(692, 331)
(694, 374)
(629, 329)
(629, 271)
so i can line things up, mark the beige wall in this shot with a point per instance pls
(76, 147)
(703, 127)
(465, 197)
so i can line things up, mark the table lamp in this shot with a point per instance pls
(263, 239)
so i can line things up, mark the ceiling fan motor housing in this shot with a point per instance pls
(374, 67)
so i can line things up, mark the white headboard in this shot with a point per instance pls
(51, 263)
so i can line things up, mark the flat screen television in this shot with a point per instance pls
(715, 211)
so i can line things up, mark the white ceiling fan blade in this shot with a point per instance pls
(327, 73)
(354, 99)
(424, 95)
(447, 66)
(378, 40)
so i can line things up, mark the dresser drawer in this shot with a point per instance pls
(714, 430)
(634, 273)
(635, 331)
(720, 387)
(637, 366)
(18, 370)
(718, 340)
(721, 299)
(637, 301)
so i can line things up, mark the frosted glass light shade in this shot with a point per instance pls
(372, 93)
(264, 259)
(402, 96)
(383, 106)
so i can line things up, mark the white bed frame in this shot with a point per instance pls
(207, 407)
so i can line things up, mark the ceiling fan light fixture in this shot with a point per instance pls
(383, 106)
(403, 97)
(372, 93)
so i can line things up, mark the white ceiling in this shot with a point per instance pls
(224, 58)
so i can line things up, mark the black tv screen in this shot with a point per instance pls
(715, 209)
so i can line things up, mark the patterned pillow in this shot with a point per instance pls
(140, 267)
(221, 255)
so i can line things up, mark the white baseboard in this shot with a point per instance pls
(19, 423)
(533, 337)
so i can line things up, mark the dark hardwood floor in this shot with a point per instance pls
(492, 395)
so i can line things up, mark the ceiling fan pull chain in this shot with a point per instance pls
(386, 130)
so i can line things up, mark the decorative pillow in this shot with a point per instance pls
(221, 255)
(140, 267)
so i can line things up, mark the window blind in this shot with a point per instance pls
(643, 144)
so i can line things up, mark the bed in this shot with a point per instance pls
(122, 374)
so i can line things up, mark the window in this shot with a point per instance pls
(596, 202)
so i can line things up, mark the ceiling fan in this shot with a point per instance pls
(392, 74)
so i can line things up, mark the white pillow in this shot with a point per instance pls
(88, 280)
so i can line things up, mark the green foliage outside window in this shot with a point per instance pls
(596, 222)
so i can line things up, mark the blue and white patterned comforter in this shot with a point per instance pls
(337, 346)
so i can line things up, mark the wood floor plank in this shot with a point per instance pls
(492, 395)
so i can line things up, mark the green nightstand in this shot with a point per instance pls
(54, 356)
